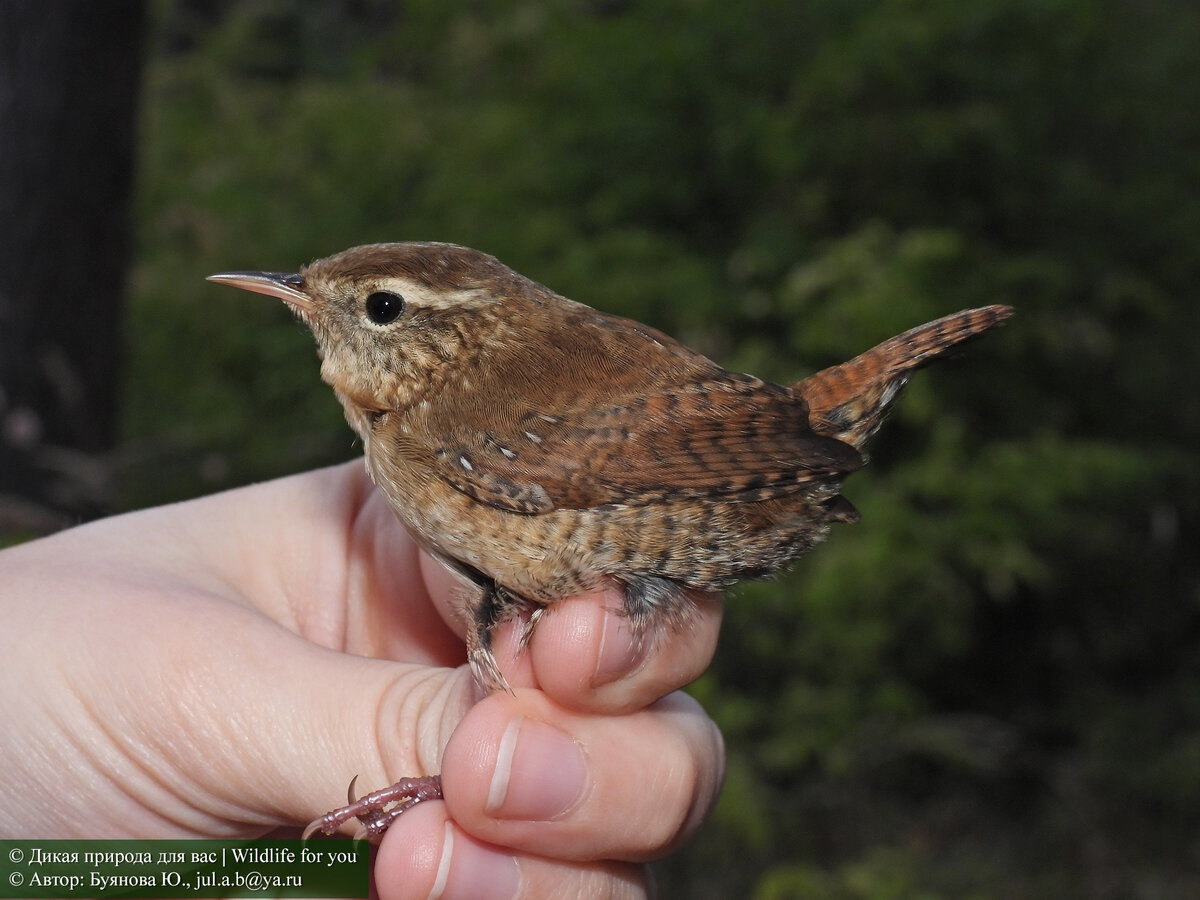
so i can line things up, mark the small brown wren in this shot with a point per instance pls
(537, 446)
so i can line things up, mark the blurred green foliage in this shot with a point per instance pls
(991, 688)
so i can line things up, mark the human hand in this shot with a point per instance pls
(221, 667)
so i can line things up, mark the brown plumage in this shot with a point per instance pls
(538, 446)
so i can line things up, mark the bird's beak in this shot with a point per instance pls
(287, 288)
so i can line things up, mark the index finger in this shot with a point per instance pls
(585, 655)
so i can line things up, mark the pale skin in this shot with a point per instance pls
(222, 667)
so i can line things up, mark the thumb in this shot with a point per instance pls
(264, 728)
(345, 718)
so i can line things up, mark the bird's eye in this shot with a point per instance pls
(384, 307)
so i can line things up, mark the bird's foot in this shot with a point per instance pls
(378, 809)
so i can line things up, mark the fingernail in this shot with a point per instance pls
(621, 651)
(540, 773)
(469, 869)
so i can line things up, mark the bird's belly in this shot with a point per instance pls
(700, 544)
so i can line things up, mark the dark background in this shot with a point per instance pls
(988, 689)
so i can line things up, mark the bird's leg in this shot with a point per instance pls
(491, 607)
(378, 809)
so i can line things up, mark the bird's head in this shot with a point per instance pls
(394, 321)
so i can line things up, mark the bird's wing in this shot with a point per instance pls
(728, 436)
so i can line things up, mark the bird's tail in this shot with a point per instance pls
(849, 402)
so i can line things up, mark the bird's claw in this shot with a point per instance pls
(378, 809)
